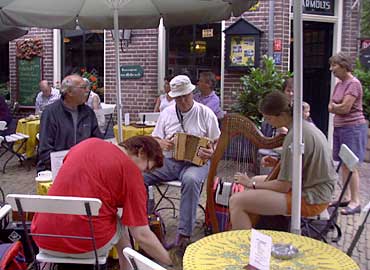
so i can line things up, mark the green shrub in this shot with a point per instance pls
(256, 84)
(364, 77)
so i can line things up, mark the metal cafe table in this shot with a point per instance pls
(30, 127)
(230, 250)
(131, 131)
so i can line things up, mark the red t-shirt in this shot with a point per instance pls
(97, 169)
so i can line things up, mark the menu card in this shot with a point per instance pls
(260, 252)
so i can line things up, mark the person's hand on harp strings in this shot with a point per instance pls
(269, 161)
(243, 179)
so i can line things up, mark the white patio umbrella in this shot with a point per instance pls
(8, 33)
(297, 119)
(118, 14)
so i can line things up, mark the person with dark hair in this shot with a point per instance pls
(67, 121)
(206, 95)
(112, 174)
(5, 114)
(350, 125)
(275, 197)
(164, 100)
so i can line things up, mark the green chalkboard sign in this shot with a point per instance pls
(29, 76)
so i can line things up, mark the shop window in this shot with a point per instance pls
(193, 49)
(4, 71)
(83, 53)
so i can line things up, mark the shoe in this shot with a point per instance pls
(350, 211)
(341, 204)
(180, 241)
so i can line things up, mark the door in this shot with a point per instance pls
(317, 49)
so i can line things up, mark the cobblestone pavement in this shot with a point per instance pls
(20, 179)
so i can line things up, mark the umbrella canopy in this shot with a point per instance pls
(8, 33)
(97, 14)
(118, 14)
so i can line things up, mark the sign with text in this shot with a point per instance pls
(260, 251)
(131, 72)
(29, 75)
(365, 43)
(365, 57)
(318, 7)
(207, 33)
(277, 45)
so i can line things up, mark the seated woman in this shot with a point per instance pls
(275, 197)
(93, 101)
(164, 100)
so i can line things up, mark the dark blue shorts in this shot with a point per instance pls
(355, 137)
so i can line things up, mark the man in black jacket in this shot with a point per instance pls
(67, 121)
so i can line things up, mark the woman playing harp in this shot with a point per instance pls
(274, 197)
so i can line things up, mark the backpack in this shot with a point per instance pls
(221, 193)
(12, 256)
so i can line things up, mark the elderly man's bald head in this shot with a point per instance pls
(45, 88)
(75, 89)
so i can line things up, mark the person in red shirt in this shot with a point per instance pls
(98, 169)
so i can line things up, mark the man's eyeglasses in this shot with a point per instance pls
(81, 86)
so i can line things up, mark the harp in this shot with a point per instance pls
(237, 151)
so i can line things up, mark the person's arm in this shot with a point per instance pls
(277, 185)
(207, 153)
(344, 107)
(37, 105)
(95, 103)
(165, 144)
(148, 241)
(157, 104)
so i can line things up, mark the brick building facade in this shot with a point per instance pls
(139, 94)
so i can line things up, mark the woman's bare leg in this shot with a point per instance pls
(260, 201)
(353, 192)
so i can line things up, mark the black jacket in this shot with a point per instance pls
(57, 131)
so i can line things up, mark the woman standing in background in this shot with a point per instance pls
(350, 125)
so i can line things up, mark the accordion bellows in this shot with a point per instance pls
(186, 147)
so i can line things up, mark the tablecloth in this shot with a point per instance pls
(230, 250)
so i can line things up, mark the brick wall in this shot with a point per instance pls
(138, 95)
(46, 35)
(351, 31)
(259, 18)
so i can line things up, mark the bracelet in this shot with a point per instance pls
(254, 184)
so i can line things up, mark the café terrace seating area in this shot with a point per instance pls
(18, 179)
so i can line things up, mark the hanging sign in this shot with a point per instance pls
(318, 7)
(277, 45)
(131, 72)
(365, 43)
(207, 33)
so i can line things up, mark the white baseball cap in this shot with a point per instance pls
(180, 86)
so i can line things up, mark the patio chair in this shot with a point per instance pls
(88, 207)
(319, 226)
(362, 221)
(108, 110)
(7, 142)
(165, 196)
(140, 262)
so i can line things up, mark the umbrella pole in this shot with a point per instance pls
(297, 120)
(118, 77)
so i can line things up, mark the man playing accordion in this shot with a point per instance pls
(190, 117)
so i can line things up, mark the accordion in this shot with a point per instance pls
(187, 146)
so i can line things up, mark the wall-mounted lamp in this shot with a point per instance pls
(124, 37)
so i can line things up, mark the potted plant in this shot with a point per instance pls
(256, 84)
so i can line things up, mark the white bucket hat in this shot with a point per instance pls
(180, 86)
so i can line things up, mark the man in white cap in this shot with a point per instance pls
(186, 116)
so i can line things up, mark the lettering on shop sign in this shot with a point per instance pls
(131, 72)
(318, 7)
